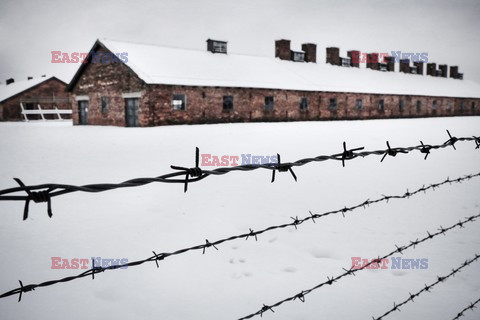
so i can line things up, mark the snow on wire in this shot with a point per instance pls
(251, 234)
(44, 192)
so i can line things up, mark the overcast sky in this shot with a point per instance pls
(29, 30)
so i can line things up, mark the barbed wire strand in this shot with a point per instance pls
(470, 307)
(352, 270)
(396, 307)
(295, 222)
(50, 190)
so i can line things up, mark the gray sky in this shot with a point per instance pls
(29, 30)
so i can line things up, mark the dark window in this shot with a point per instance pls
(269, 103)
(333, 104)
(227, 103)
(434, 105)
(104, 104)
(359, 104)
(381, 105)
(401, 105)
(419, 106)
(473, 106)
(29, 106)
(461, 106)
(303, 104)
(179, 102)
(449, 105)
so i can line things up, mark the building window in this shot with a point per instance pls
(333, 104)
(359, 104)
(179, 102)
(401, 105)
(29, 106)
(381, 105)
(227, 103)
(298, 56)
(269, 103)
(473, 107)
(303, 104)
(104, 101)
(216, 46)
(419, 106)
(461, 106)
(449, 105)
(434, 105)
(345, 62)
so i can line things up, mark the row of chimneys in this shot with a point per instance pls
(11, 80)
(309, 54)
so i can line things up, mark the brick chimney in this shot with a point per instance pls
(454, 72)
(9, 81)
(333, 56)
(282, 49)
(354, 56)
(372, 61)
(390, 64)
(310, 50)
(405, 66)
(431, 69)
(443, 68)
(419, 66)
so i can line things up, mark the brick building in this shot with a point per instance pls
(48, 92)
(160, 85)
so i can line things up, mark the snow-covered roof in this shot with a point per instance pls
(174, 66)
(8, 91)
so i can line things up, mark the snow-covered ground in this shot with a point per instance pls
(242, 275)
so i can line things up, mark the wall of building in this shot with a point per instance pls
(41, 94)
(205, 104)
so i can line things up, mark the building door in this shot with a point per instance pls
(82, 112)
(131, 112)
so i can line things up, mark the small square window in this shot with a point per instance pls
(359, 104)
(381, 105)
(104, 104)
(333, 104)
(303, 104)
(179, 102)
(419, 106)
(401, 105)
(269, 103)
(434, 105)
(227, 103)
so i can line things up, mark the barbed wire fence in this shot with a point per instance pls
(330, 280)
(471, 306)
(251, 234)
(45, 192)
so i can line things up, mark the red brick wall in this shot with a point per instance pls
(205, 104)
(48, 89)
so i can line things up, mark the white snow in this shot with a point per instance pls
(7, 91)
(175, 66)
(242, 275)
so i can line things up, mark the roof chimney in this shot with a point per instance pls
(372, 61)
(405, 66)
(44, 75)
(454, 72)
(9, 81)
(443, 70)
(354, 56)
(29, 78)
(333, 56)
(390, 64)
(431, 69)
(216, 46)
(282, 49)
(310, 50)
(419, 66)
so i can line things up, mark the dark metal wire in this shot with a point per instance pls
(295, 222)
(470, 307)
(44, 192)
(396, 307)
(351, 271)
